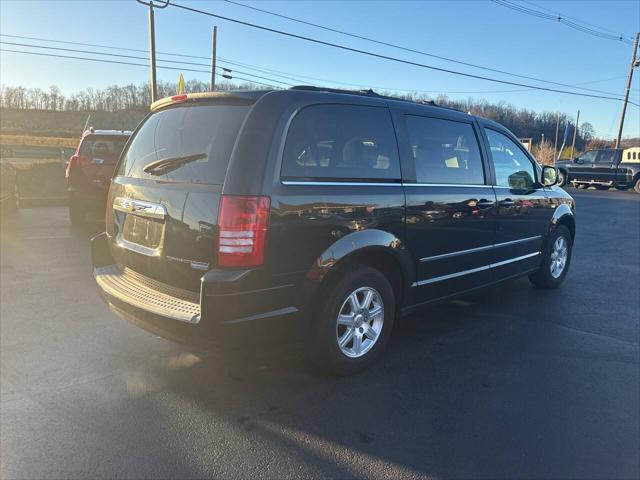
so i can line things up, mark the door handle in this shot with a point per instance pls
(484, 203)
(507, 203)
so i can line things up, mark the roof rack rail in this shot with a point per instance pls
(368, 93)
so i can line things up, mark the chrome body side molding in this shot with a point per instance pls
(473, 270)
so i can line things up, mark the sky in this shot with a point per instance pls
(479, 32)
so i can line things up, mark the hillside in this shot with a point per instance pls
(65, 123)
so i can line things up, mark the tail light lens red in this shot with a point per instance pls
(242, 230)
(77, 160)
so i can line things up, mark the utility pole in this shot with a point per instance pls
(152, 43)
(213, 59)
(575, 132)
(152, 53)
(634, 63)
(542, 140)
(555, 144)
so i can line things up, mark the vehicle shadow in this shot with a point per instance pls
(426, 408)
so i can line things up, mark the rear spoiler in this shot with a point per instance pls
(248, 97)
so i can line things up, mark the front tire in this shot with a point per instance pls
(354, 321)
(556, 258)
(636, 185)
(562, 178)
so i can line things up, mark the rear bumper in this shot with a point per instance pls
(226, 305)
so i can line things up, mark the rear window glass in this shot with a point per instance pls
(341, 142)
(187, 144)
(101, 146)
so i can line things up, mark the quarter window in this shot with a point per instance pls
(341, 142)
(444, 151)
(513, 168)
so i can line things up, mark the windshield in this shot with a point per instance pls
(204, 133)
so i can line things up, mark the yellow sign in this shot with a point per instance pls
(180, 85)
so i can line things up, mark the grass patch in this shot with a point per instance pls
(38, 141)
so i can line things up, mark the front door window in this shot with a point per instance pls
(513, 168)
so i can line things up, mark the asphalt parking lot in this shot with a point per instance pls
(513, 382)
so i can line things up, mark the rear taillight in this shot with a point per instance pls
(77, 160)
(242, 230)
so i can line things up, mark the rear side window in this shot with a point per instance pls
(101, 146)
(606, 156)
(196, 141)
(444, 151)
(341, 142)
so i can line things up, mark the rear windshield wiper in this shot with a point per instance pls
(158, 167)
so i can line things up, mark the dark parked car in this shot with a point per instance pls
(9, 196)
(89, 172)
(330, 211)
(603, 168)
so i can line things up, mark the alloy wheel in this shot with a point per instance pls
(559, 256)
(359, 323)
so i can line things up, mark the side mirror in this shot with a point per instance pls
(579, 161)
(549, 176)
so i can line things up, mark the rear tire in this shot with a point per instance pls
(556, 258)
(77, 213)
(348, 334)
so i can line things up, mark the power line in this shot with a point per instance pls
(386, 57)
(560, 18)
(92, 52)
(292, 76)
(575, 19)
(406, 49)
(302, 77)
(289, 76)
(103, 60)
(100, 46)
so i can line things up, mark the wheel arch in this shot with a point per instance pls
(564, 216)
(373, 248)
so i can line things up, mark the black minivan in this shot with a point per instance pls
(334, 211)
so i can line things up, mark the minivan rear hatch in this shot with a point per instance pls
(163, 203)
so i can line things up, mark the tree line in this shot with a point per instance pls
(110, 99)
(522, 122)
